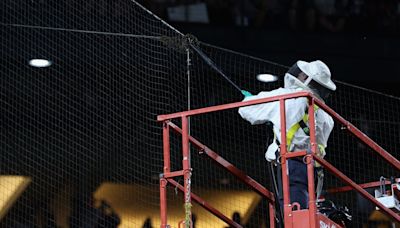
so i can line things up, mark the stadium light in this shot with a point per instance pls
(267, 78)
(40, 63)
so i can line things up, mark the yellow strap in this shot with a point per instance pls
(293, 129)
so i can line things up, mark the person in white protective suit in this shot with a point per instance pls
(310, 76)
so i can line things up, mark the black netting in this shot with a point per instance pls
(89, 119)
(80, 142)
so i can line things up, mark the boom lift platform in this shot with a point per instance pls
(292, 217)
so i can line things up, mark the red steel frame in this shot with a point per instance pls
(289, 215)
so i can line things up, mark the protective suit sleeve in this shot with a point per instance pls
(259, 114)
(324, 127)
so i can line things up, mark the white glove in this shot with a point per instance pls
(270, 153)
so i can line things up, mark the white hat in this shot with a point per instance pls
(319, 72)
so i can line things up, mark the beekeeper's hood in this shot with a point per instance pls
(318, 81)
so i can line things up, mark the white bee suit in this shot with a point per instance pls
(295, 110)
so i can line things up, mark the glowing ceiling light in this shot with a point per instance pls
(267, 78)
(40, 63)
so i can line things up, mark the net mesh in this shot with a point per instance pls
(80, 144)
(89, 119)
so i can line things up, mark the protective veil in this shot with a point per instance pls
(318, 78)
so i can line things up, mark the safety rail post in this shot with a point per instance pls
(312, 206)
(166, 147)
(187, 172)
(163, 202)
(271, 215)
(166, 169)
(287, 207)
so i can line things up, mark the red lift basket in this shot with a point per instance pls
(292, 218)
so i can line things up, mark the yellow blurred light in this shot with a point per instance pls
(11, 187)
(135, 203)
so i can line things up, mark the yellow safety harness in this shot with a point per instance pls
(303, 124)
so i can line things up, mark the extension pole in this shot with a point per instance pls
(186, 172)
(214, 66)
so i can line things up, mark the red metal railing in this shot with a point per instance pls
(289, 217)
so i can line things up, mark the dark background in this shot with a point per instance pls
(90, 118)
(358, 39)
